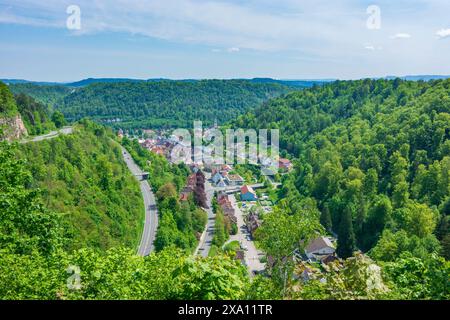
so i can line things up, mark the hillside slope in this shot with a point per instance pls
(378, 151)
(11, 124)
(167, 103)
(83, 177)
(46, 94)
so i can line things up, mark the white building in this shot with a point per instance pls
(320, 246)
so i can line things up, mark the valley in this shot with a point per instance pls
(363, 184)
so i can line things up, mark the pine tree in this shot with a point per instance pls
(325, 219)
(346, 236)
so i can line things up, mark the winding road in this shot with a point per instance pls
(50, 135)
(151, 212)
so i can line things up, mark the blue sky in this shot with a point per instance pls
(286, 39)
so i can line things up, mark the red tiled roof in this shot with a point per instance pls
(246, 189)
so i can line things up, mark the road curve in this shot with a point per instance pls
(151, 212)
(50, 135)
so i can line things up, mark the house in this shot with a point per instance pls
(328, 259)
(120, 134)
(216, 177)
(221, 183)
(248, 194)
(158, 150)
(234, 180)
(253, 222)
(320, 246)
(226, 168)
(228, 211)
(222, 198)
(284, 164)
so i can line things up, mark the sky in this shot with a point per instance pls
(199, 39)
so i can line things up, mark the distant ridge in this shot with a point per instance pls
(419, 77)
(301, 83)
(41, 83)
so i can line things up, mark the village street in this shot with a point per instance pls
(252, 255)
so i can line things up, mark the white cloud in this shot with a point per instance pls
(233, 49)
(443, 33)
(227, 24)
(401, 36)
(373, 48)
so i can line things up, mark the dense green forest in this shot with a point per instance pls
(35, 115)
(46, 94)
(373, 158)
(180, 221)
(8, 105)
(372, 167)
(167, 103)
(34, 264)
(69, 216)
(82, 176)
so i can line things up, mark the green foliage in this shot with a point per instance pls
(415, 278)
(33, 262)
(84, 178)
(358, 278)
(25, 224)
(180, 222)
(221, 234)
(46, 94)
(159, 169)
(120, 274)
(167, 103)
(7, 104)
(378, 148)
(35, 115)
(280, 235)
(346, 237)
(391, 245)
(58, 119)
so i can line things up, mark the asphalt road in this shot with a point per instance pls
(50, 135)
(151, 212)
(252, 255)
(206, 240)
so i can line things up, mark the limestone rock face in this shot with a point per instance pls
(12, 128)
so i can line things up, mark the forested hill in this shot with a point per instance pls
(375, 158)
(83, 177)
(167, 103)
(46, 94)
(7, 103)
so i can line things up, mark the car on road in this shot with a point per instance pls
(244, 247)
(248, 237)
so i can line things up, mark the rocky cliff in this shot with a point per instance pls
(12, 128)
